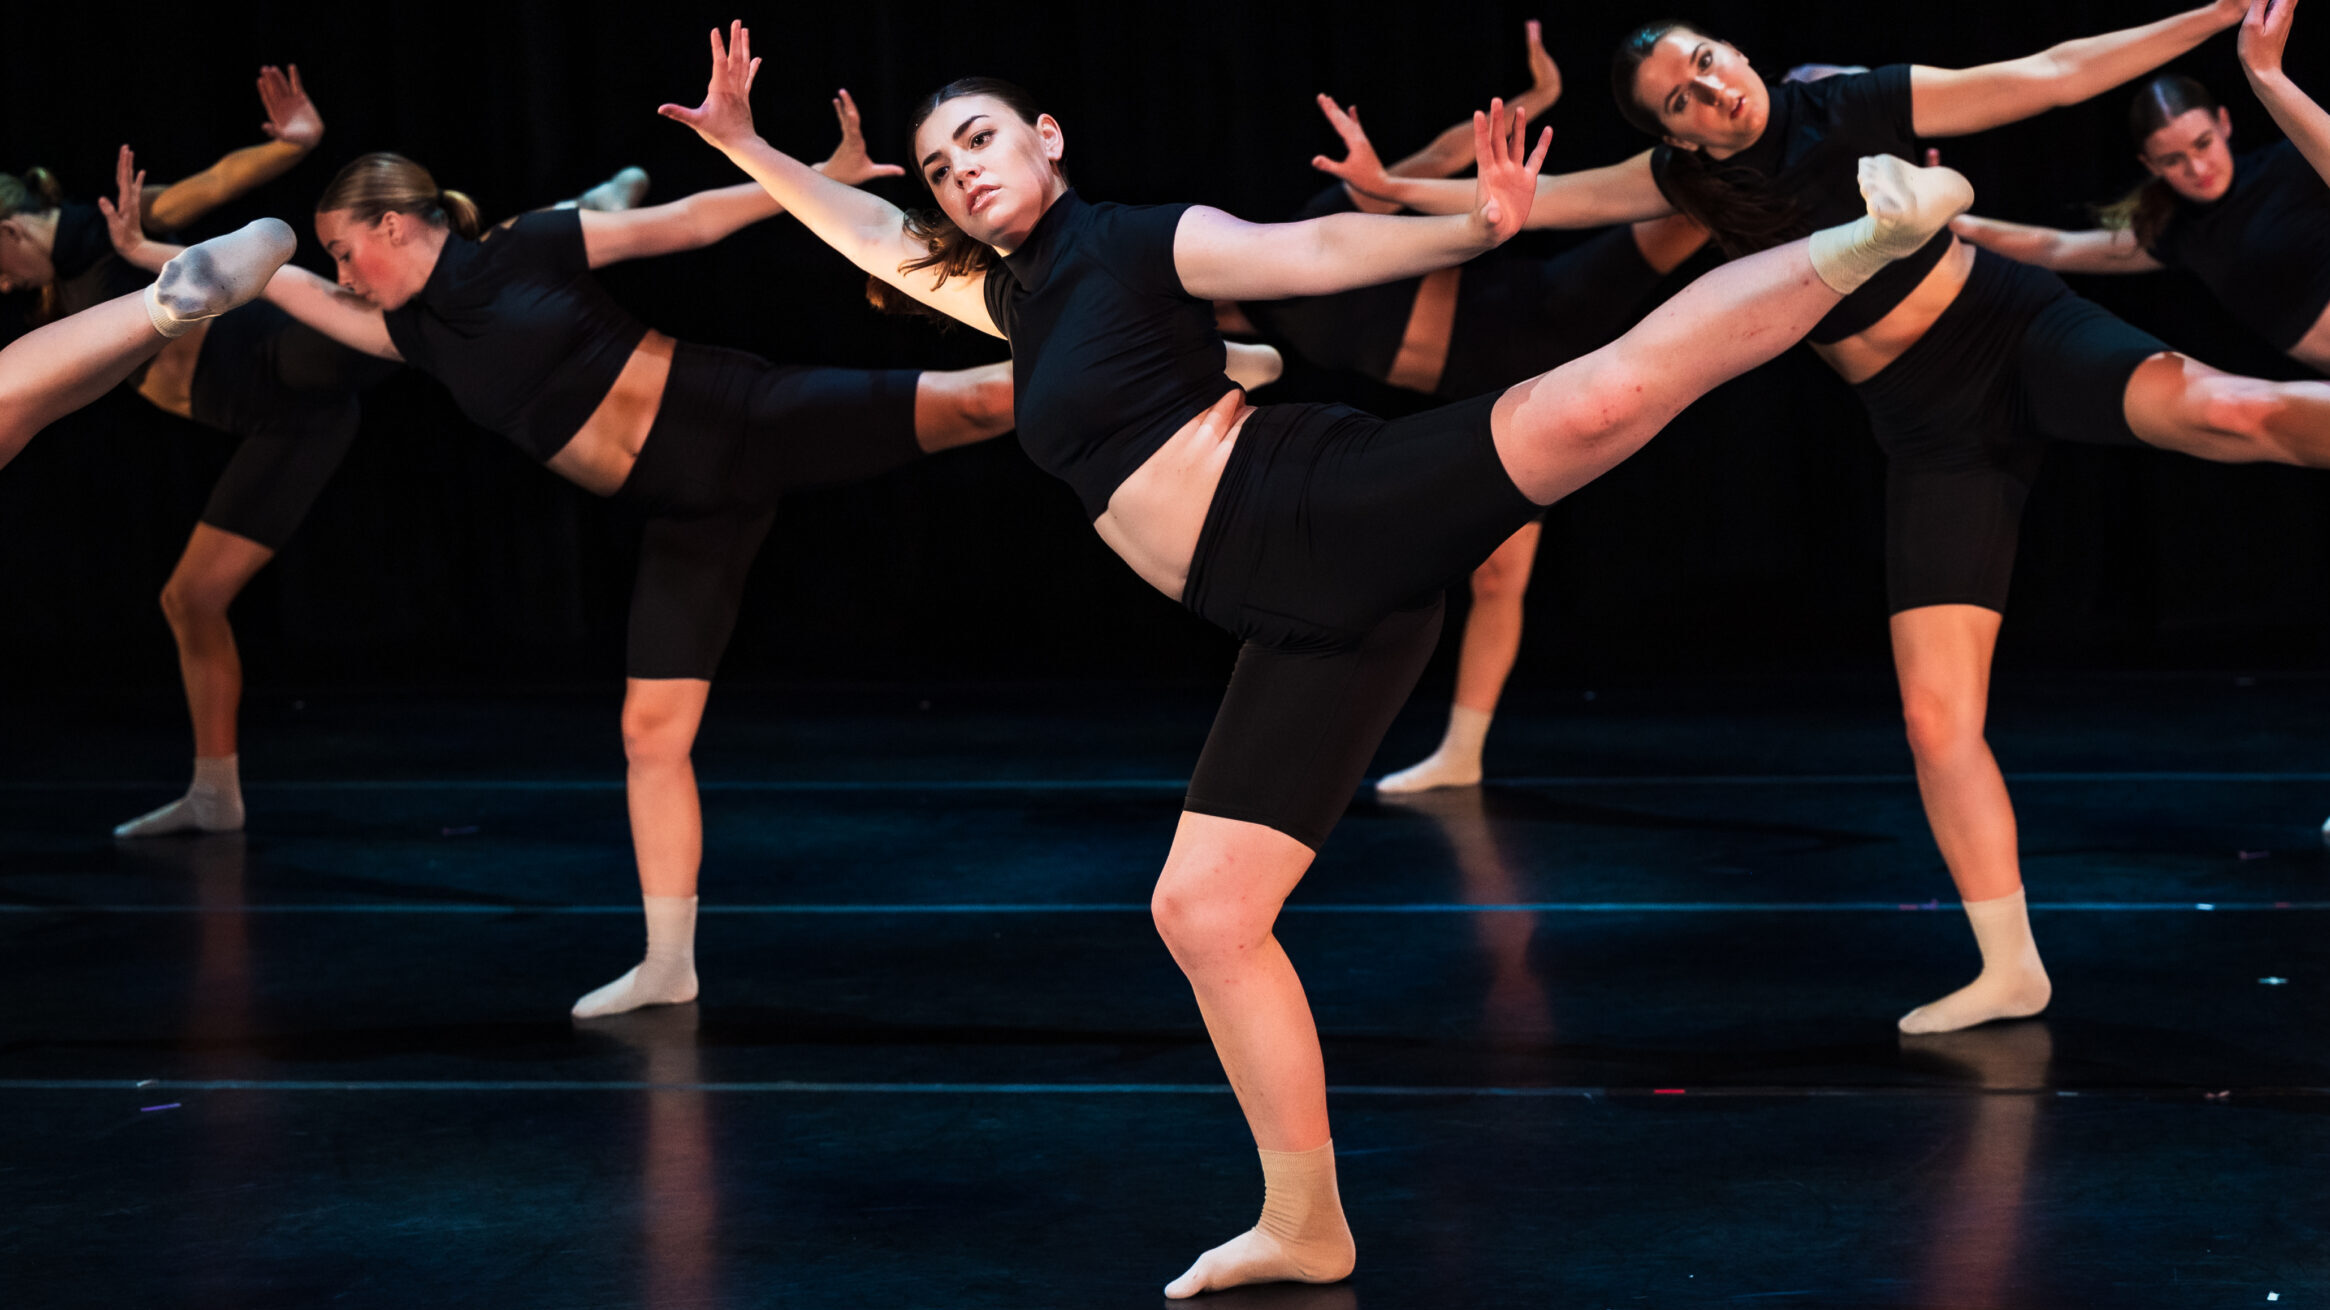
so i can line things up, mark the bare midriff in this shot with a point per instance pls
(168, 383)
(1864, 355)
(1154, 517)
(2313, 349)
(598, 458)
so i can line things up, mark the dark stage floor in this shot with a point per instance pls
(1616, 1031)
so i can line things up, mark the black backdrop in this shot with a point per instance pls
(1746, 537)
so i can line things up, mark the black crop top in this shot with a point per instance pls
(1108, 354)
(518, 330)
(1810, 152)
(87, 271)
(2263, 248)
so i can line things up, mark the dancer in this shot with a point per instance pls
(1320, 535)
(704, 440)
(1968, 363)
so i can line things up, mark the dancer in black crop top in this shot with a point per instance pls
(2253, 228)
(1968, 367)
(704, 440)
(1322, 536)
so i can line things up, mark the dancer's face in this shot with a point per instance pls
(994, 173)
(2193, 154)
(24, 257)
(386, 262)
(1704, 93)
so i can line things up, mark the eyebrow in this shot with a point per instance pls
(963, 127)
(1694, 63)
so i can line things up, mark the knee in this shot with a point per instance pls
(1497, 582)
(1199, 929)
(655, 735)
(2257, 411)
(1940, 727)
(187, 605)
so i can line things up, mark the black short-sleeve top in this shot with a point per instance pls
(1810, 153)
(2263, 248)
(1109, 355)
(88, 272)
(519, 331)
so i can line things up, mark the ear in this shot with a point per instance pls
(1055, 141)
(1679, 143)
(391, 227)
(2224, 123)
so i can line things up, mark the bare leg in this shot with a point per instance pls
(660, 719)
(55, 369)
(1215, 905)
(1492, 642)
(958, 408)
(1942, 654)
(214, 570)
(2178, 403)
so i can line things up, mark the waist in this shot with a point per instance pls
(1155, 516)
(600, 455)
(1866, 353)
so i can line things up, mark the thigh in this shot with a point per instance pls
(1950, 531)
(685, 596)
(1297, 729)
(280, 467)
(2076, 361)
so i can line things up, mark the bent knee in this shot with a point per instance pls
(186, 603)
(1198, 928)
(656, 736)
(1940, 727)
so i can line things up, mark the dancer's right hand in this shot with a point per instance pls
(125, 217)
(1507, 177)
(2265, 34)
(850, 162)
(725, 117)
(291, 117)
(1359, 168)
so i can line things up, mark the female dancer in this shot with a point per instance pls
(704, 440)
(1969, 364)
(1467, 330)
(1320, 535)
(2254, 229)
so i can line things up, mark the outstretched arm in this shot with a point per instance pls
(1596, 197)
(700, 220)
(349, 320)
(293, 127)
(869, 231)
(1224, 258)
(2265, 33)
(2101, 250)
(1956, 101)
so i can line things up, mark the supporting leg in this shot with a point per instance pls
(214, 570)
(1492, 643)
(660, 718)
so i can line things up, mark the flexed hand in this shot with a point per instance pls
(725, 117)
(2265, 34)
(849, 161)
(1507, 180)
(1359, 167)
(2232, 13)
(125, 216)
(291, 116)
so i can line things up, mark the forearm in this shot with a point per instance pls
(714, 216)
(2017, 241)
(238, 173)
(321, 304)
(1448, 154)
(1359, 250)
(2088, 67)
(2307, 124)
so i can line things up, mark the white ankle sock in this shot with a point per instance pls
(1456, 764)
(2013, 983)
(213, 804)
(667, 976)
(206, 280)
(622, 191)
(1907, 205)
(1300, 1238)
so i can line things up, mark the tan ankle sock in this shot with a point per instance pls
(2013, 983)
(1300, 1238)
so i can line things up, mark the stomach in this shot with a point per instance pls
(1154, 516)
(1863, 356)
(599, 456)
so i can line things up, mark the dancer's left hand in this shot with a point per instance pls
(125, 217)
(725, 117)
(850, 161)
(2265, 34)
(2229, 12)
(1507, 179)
(291, 116)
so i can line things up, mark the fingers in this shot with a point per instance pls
(1536, 33)
(1933, 156)
(679, 114)
(297, 88)
(1536, 160)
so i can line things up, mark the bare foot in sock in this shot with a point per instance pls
(1255, 1256)
(199, 810)
(2009, 992)
(655, 981)
(206, 280)
(1909, 204)
(1300, 1238)
(1442, 768)
(622, 191)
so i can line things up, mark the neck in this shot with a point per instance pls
(1008, 244)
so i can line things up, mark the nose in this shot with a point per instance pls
(1707, 90)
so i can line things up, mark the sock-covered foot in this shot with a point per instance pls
(1300, 1238)
(207, 280)
(622, 191)
(667, 976)
(1456, 764)
(2326, 832)
(213, 804)
(1907, 206)
(2013, 983)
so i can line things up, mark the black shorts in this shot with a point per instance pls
(1965, 415)
(732, 435)
(1327, 549)
(291, 394)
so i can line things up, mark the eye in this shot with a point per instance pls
(938, 174)
(1706, 60)
(979, 139)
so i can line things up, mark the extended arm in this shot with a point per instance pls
(1224, 258)
(1596, 197)
(693, 222)
(1956, 101)
(2264, 35)
(869, 231)
(293, 127)
(2098, 251)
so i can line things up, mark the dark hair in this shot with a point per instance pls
(953, 252)
(2146, 210)
(379, 183)
(1737, 205)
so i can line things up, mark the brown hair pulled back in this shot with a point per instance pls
(36, 192)
(1737, 205)
(381, 183)
(953, 252)
(2146, 210)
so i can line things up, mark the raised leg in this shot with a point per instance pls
(57, 368)
(1492, 643)
(2178, 403)
(960, 407)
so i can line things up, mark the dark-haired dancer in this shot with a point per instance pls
(704, 440)
(1322, 536)
(1969, 365)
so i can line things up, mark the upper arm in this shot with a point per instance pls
(354, 323)
(1624, 192)
(175, 206)
(1218, 256)
(611, 238)
(1958, 101)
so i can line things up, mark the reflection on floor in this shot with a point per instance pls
(1614, 1031)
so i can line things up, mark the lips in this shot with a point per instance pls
(980, 198)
